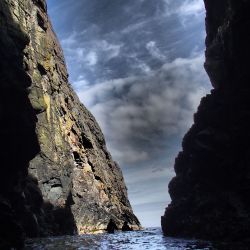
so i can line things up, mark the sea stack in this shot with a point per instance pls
(57, 176)
(210, 193)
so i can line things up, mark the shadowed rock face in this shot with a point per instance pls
(210, 193)
(57, 176)
(18, 143)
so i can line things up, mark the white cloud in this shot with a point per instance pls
(81, 84)
(134, 27)
(128, 155)
(192, 7)
(155, 51)
(137, 114)
(143, 67)
(134, 177)
(112, 50)
(79, 52)
(70, 40)
(91, 58)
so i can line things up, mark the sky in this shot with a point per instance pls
(137, 65)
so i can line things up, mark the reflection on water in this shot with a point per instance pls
(151, 238)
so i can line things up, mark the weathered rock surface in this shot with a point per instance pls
(210, 193)
(57, 176)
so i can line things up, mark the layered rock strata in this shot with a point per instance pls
(57, 176)
(210, 193)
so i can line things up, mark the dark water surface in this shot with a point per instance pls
(150, 238)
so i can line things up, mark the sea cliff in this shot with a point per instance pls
(57, 176)
(210, 193)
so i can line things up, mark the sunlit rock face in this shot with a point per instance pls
(210, 193)
(53, 153)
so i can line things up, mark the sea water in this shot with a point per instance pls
(150, 238)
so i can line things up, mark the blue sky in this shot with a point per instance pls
(138, 67)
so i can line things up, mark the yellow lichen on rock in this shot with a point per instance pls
(48, 107)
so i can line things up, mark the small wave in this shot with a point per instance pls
(150, 238)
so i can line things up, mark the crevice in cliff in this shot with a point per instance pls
(41, 69)
(86, 142)
(77, 157)
(111, 226)
(126, 227)
(41, 21)
(41, 4)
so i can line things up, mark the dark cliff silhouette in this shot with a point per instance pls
(210, 193)
(18, 144)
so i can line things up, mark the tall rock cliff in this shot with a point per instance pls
(57, 176)
(210, 193)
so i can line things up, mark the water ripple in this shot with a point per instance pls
(138, 240)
